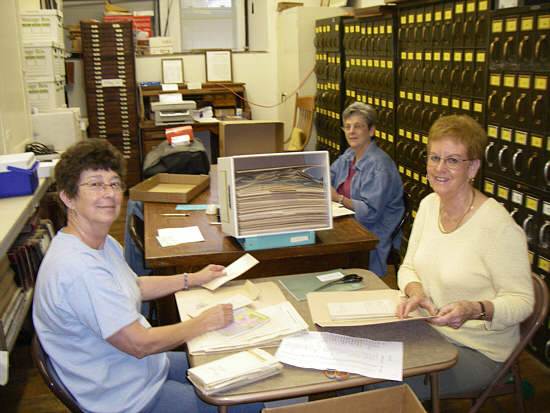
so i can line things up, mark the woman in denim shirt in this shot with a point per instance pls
(365, 179)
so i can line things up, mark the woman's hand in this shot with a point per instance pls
(456, 314)
(333, 194)
(412, 303)
(208, 273)
(216, 317)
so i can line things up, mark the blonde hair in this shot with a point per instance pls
(461, 129)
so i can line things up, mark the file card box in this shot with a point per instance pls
(276, 193)
(18, 174)
(263, 242)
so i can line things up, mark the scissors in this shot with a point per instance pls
(347, 279)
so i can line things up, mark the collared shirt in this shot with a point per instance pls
(377, 197)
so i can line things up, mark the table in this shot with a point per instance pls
(346, 245)
(426, 351)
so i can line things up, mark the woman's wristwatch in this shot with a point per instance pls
(483, 314)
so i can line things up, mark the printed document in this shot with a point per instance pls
(321, 351)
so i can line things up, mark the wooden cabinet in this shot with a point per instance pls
(224, 98)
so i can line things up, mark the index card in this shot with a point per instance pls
(233, 270)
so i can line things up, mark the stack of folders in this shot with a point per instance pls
(234, 371)
(271, 199)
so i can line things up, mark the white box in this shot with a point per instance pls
(160, 50)
(60, 128)
(41, 25)
(46, 96)
(23, 160)
(43, 62)
(46, 168)
(160, 41)
(283, 209)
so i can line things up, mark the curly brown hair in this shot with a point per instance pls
(461, 129)
(90, 154)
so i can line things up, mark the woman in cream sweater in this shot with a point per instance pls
(466, 261)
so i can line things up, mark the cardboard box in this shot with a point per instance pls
(170, 188)
(397, 399)
(247, 137)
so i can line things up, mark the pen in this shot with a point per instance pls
(175, 215)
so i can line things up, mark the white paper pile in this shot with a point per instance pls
(234, 371)
(284, 320)
(361, 309)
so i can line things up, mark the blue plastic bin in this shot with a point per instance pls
(18, 181)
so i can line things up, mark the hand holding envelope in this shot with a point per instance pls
(232, 271)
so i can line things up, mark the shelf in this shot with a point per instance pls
(21, 314)
(14, 213)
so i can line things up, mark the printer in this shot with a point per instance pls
(174, 112)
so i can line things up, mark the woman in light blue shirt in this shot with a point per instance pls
(365, 179)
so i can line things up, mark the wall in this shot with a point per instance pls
(15, 124)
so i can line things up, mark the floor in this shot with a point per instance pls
(27, 393)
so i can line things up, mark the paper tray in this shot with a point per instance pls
(318, 307)
(170, 188)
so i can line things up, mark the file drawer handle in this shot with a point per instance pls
(546, 170)
(487, 149)
(524, 226)
(503, 105)
(541, 235)
(535, 104)
(517, 171)
(518, 104)
(506, 47)
(501, 158)
(521, 48)
(493, 46)
(538, 46)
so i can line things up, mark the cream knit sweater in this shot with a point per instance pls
(484, 259)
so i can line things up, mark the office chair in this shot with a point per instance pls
(302, 124)
(394, 257)
(508, 379)
(46, 369)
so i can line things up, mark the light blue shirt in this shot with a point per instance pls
(377, 196)
(82, 297)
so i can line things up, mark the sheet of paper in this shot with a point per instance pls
(4, 367)
(195, 308)
(170, 97)
(233, 270)
(173, 236)
(321, 351)
(361, 309)
(330, 276)
(169, 87)
(340, 210)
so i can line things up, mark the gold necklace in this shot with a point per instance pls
(470, 207)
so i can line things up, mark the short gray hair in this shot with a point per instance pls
(362, 109)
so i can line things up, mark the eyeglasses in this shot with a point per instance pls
(102, 186)
(451, 162)
(356, 126)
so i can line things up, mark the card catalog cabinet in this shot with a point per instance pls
(109, 73)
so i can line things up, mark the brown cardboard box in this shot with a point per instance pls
(172, 188)
(397, 399)
(248, 137)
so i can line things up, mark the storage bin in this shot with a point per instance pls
(44, 62)
(46, 95)
(18, 174)
(41, 25)
(276, 193)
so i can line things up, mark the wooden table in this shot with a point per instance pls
(426, 351)
(346, 245)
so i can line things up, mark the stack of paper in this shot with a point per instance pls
(283, 320)
(168, 237)
(270, 200)
(233, 371)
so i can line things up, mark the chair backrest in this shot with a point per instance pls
(302, 123)
(527, 329)
(42, 361)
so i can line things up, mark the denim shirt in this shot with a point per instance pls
(377, 196)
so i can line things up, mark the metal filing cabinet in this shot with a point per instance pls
(329, 99)
(109, 73)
